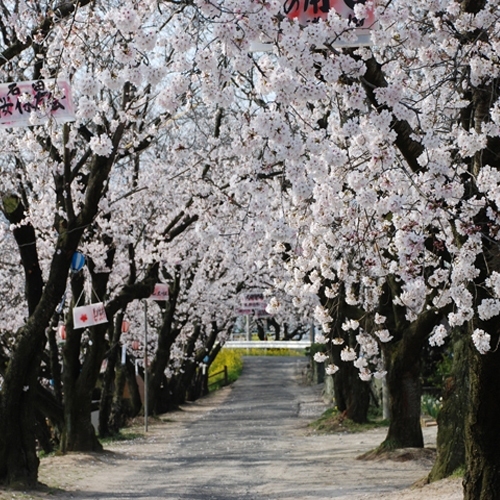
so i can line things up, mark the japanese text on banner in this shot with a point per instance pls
(35, 102)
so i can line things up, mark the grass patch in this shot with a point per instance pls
(233, 359)
(123, 435)
(332, 421)
(459, 472)
(230, 358)
(430, 406)
(42, 454)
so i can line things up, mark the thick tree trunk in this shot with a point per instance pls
(109, 379)
(403, 359)
(351, 394)
(196, 388)
(79, 383)
(119, 407)
(18, 457)
(403, 366)
(79, 379)
(187, 372)
(482, 445)
(451, 417)
(166, 338)
(123, 408)
(79, 434)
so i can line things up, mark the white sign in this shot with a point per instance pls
(253, 304)
(93, 314)
(160, 292)
(258, 313)
(47, 99)
(254, 301)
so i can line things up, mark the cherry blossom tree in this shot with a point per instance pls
(58, 178)
(378, 164)
(389, 156)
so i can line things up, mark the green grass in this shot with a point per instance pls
(233, 359)
(459, 473)
(332, 421)
(124, 435)
(430, 405)
(234, 362)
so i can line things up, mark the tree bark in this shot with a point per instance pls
(403, 358)
(482, 444)
(166, 338)
(79, 380)
(109, 379)
(403, 366)
(351, 394)
(18, 459)
(451, 418)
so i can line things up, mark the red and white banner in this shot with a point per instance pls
(93, 314)
(47, 99)
(311, 11)
(160, 292)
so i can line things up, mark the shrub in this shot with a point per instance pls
(430, 405)
(234, 362)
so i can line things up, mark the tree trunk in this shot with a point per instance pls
(119, 407)
(18, 457)
(451, 417)
(123, 408)
(79, 382)
(403, 359)
(79, 379)
(403, 366)
(352, 395)
(109, 379)
(196, 387)
(482, 439)
(166, 338)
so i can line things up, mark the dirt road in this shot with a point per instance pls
(247, 442)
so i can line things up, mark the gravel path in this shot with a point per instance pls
(247, 442)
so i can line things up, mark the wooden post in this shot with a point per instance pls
(225, 375)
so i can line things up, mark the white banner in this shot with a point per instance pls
(160, 292)
(93, 314)
(254, 301)
(47, 99)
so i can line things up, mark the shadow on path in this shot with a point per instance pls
(249, 442)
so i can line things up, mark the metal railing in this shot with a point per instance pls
(267, 344)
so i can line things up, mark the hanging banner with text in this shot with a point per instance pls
(311, 11)
(45, 99)
(253, 304)
(160, 292)
(93, 314)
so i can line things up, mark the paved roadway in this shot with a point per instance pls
(253, 446)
